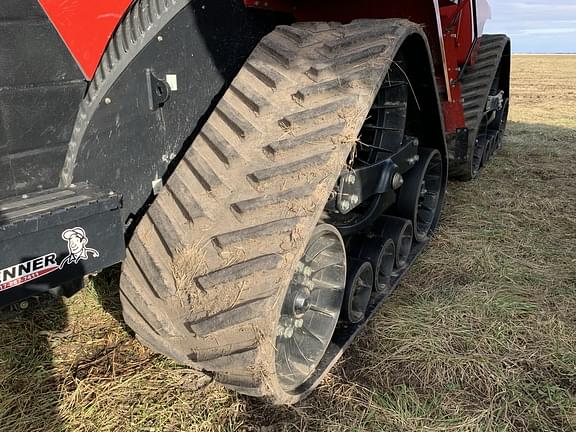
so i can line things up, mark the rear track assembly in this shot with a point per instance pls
(210, 263)
(486, 79)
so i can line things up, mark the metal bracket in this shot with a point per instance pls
(158, 91)
(493, 105)
(495, 102)
(358, 185)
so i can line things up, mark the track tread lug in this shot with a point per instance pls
(266, 174)
(342, 63)
(266, 74)
(183, 197)
(275, 45)
(255, 232)
(253, 204)
(237, 123)
(253, 101)
(239, 271)
(220, 146)
(302, 118)
(315, 137)
(202, 170)
(240, 314)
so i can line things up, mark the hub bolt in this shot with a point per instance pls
(397, 181)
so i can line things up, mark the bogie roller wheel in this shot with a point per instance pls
(381, 254)
(401, 232)
(231, 271)
(419, 198)
(358, 290)
(384, 266)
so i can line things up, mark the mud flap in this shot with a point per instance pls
(55, 236)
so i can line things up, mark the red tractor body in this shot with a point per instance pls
(452, 29)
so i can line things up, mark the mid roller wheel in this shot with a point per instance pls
(401, 232)
(358, 291)
(420, 198)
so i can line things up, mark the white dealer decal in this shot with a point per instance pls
(35, 268)
(77, 241)
(25, 272)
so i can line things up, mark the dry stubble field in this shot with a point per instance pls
(480, 336)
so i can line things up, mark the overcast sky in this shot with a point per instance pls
(536, 26)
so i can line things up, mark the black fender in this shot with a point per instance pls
(427, 124)
(126, 141)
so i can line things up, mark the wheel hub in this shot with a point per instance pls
(301, 303)
(311, 307)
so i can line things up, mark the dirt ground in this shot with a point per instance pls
(480, 336)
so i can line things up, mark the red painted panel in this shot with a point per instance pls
(86, 26)
(275, 5)
(449, 29)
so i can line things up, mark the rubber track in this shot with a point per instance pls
(476, 84)
(211, 260)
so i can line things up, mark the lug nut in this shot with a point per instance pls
(354, 199)
(344, 205)
(350, 179)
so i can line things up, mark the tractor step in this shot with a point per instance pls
(55, 236)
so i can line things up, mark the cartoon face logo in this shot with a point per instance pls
(77, 250)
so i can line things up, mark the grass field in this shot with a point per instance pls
(480, 336)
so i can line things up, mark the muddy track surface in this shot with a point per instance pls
(209, 264)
